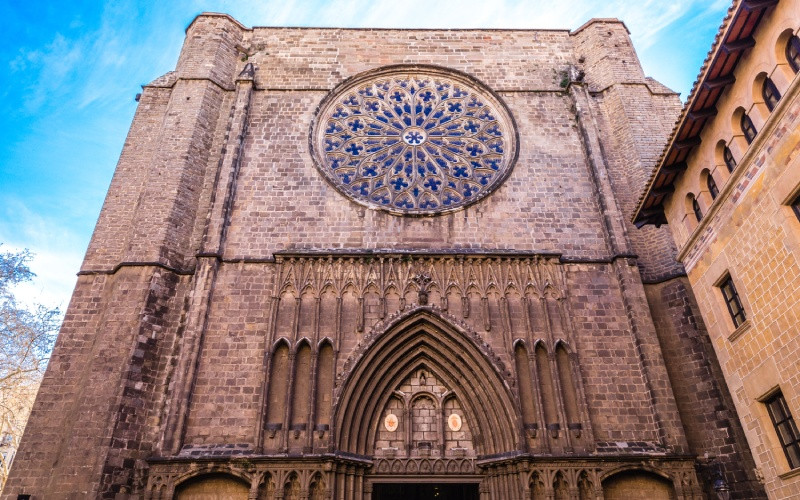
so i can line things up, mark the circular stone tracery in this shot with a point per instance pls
(414, 140)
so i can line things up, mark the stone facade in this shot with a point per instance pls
(241, 327)
(747, 230)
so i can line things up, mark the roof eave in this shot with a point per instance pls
(732, 40)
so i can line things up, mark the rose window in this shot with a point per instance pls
(415, 141)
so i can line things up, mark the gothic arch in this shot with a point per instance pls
(422, 337)
(212, 479)
(209, 471)
(307, 341)
(426, 394)
(638, 483)
(633, 468)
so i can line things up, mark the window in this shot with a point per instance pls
(748, 128)
(732, 301)
(730, 161)
(712, 187)
(770, 93)
(698, 214)
(785, 428)
(795, 204)
(793, 52)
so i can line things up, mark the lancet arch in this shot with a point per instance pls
(422, 338)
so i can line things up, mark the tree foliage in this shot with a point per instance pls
(27, 335)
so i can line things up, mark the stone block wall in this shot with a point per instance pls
(229, 290)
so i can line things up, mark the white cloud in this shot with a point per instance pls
(92, 71)
(58, 254)
(648, 17)
(48, 69)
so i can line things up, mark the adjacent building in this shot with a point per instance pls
(728, 184)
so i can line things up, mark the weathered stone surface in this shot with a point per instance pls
(237, 315)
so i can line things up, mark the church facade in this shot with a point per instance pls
(355, 263)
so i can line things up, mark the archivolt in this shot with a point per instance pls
(422, 338)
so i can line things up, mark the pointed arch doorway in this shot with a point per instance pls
(424, 399)
(425, 491)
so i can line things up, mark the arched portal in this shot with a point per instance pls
(422, 340)
(213, 487)
(638, 485)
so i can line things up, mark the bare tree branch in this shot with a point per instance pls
(26, 340)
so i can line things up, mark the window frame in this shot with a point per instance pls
(698, 212)
(748, 128)
(785, 427)
(770, 93)
(793, 44)
(711, 184)
(731, 298)
(795, 204)
(730, 161)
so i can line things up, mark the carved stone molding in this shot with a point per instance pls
(437, 466)
(534, 275)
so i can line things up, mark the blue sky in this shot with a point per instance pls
(72, 69)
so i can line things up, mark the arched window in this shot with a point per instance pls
(568, 391)
(547, 387)
(793, 52)
(525, 385)
(730, 161)
(748, 128)
(712, 187)
(698, 214)
(770, 93)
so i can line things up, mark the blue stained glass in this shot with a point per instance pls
(427, 203)
(494, 130)
(474, 149)
(471, 126)
(413, 138)
(354, 149)
(363, 189)
(356, 125)
(415, 142)
(404, 202)
(331, 145)
(432, 184)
